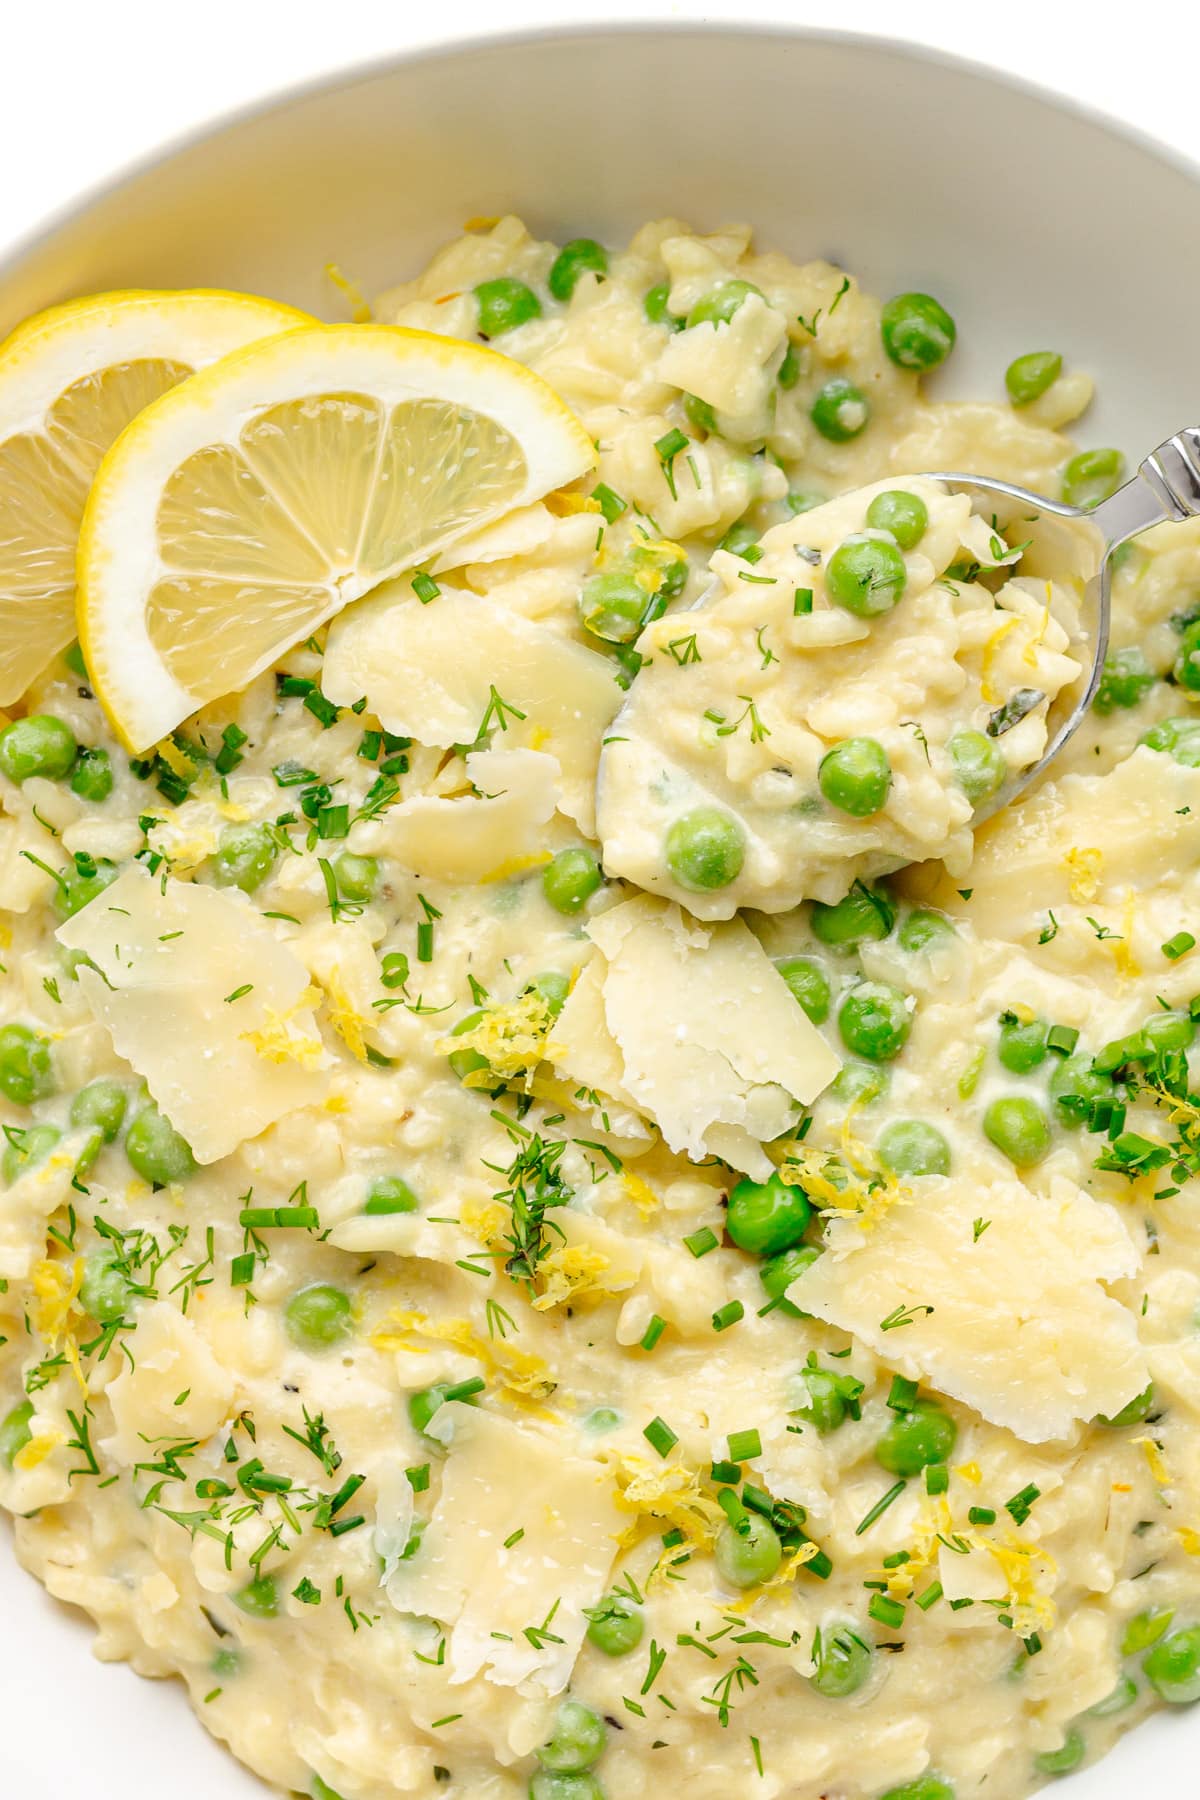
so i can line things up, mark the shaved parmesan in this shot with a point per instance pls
(168, 960)
(1013, 1321)
(484, 837)
(173, 1388)
(729, 365)
(431, 673)
(710, 1041)
(503, 1480)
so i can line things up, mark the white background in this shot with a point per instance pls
(90, 87)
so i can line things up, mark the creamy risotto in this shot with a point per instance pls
(569, 1224)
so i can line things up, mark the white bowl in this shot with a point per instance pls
(1037, 224)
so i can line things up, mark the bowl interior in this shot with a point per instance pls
(1031, 221)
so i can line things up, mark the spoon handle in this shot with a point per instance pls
(1166, 486)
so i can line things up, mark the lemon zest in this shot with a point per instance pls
(275, 1042)
(56, 1286)
(515, 865)
(1127, 965)
(1189, 1539)
(671, 1492)
(38, 1449)
(640, 1192)
(485, 1220)
(511, 1037)
(563, 506)
(1085, 868)
(1156, 1461)
(569, 1273)
(525, 1377)
(351, 292)
(991, 650)
(344, 1016)
(971, 1472)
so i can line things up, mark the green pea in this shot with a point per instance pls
(1122, 1697)
(92, 777)
(259, 1599)
(665, 578)
(911, 1147)
(579, 257)
(616, 1625)
(1126, 678)
(390, 1194)
(245, 856)
(571, 878)
(100, 1107)
(26, 1073)
(504, 304)
(614, 607)
(765, 1217)
(700, 415)
(467, 1061)
(1022, 1044)
(356, 876)
(318, 1316)
(549, 1784)
(1179, 738)
(778, 1273)
(830, 1397)
(875, 1021)
(226, 1663)
(840, 411)
(746, 1561)
(842, 1662)
(857, 1084)
(104, 1290)
(424, 1403)
(925, 930)
(321, 1790)
(705, 849)
(1028, 377)
(917, 331)
(799, 501)
(864, 914)
(905, 515)
(719, 305)
(75, 890)
(577, 1740)
(979, 765)
(1092, 476)
(1019, 1129)
(789, 368)
(1167, 1031)
(924, 1434)
(856, 776)
(1074, 1085)
(1068, 1756)
(156, 1151)
(925, 1787)
(866, 575)
(1173, 1667)
(809, 984)
(656, 309)
(15, 1432)
(38, 745)
(739, 538)
(27, 1150)
(553, 988)
(1133, 1412)
(602, 1418)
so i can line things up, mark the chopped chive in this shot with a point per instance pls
(241, 1270)
(672, 1538)
(229, 755)
(744, 1446)
(462, 1390)
(730, 1314)
(937, 1478)
(929, 1596)
(610, 503)
(902, 1396)
(727, 1472)
(1062, 1038)
(425, 587)
(515, 1538)
(660, 1437)
(757, 1499)
(1178, 946)
(333, 821)
(425, 941)
(702, 1241)
(957, 1605)
(734, 1511)
(802, 602)
(653, 1332)
(982, 1515)
(668, 448)
(880, 1507)
(418, 1478)
(1021, 1505)
(887, 1611)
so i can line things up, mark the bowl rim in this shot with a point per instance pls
(910, 51)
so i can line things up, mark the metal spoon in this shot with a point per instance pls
(1166, 487)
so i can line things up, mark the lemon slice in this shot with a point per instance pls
(70, 381)
(245, 508)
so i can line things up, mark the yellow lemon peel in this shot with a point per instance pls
(641, 1193)
(522, 1375)
(511, 1037)
(1084, 867)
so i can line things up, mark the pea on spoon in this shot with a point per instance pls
(866, 685)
